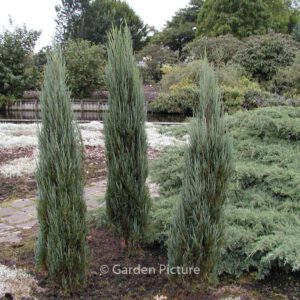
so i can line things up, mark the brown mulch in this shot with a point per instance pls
(94, 163)
(7, 154)
(25, 186)
(16, 186)
(106, 250)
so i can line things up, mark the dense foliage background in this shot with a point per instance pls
(259, 37)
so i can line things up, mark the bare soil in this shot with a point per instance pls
(25, 186)
(106, 249)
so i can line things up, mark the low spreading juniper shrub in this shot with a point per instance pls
(263, 207)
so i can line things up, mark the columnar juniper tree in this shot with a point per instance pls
(127, 196)
(197, 228)
(61, 246)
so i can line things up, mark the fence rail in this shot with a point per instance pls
(77, 105)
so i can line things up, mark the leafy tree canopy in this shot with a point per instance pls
(91, 20)
(284, 14)
(243, 18)
(85, 65)
(263, 55)
(16, 60)
(238, 17)
(69, 18)
(181, 29)
(154, 56)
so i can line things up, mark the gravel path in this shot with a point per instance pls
(19, 215)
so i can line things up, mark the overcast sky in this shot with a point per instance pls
(40, 14)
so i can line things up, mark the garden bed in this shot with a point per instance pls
(19, 153)
(138, 286)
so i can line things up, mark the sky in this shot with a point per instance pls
(40, 14)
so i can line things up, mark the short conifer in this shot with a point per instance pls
(196, 234)
(61, 246)
(127, 196)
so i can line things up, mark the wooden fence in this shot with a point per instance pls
(77, 105)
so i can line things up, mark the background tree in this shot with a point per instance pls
(196, 233)
(287, 80)
(153, 57)
(219, 50)
(127, 196)
(85, 63)
(91, 20)
(238, 17)
(40, 61)
(284, 15)
(263, 55)
(16, 61)
(69, 18)
(61, 245)
(181, 29)
(246, 17)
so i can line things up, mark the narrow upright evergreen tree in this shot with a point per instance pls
(197, 228)
(61, 245)
(127, 196)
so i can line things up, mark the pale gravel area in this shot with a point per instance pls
(19, 167)
(25, 135)
(17, 283)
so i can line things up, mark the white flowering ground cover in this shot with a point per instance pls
(25, 135)
(19, 167)
(17, 283)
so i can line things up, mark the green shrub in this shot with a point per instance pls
(263, 208)
(235, 85)
(5, 100)
(263, 55)
(16, 61)
(255, 99)
(181, 75)
(85, 64)
(161, 214)
(262, 239)
(181, 101)
(219, 50)
(154, 56)
(230, 73)
(172, 174)
(278, 123)
(234, 93)
(287, 80)
(181, 94)
(296, 32)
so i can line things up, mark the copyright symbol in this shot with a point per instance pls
(104, 269)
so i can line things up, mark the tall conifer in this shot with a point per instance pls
(197, 229)
(61, 246)
(127, 196)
